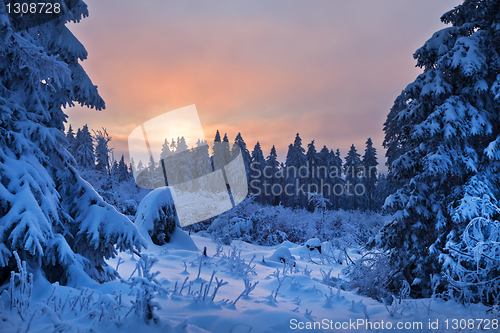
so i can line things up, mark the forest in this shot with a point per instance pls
(321, 242)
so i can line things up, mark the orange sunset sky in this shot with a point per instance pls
(327, 69)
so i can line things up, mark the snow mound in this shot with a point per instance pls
(180, 240)
(314, 245)
(288, 244)
(282, 254)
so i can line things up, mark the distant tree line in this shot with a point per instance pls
(351, 183)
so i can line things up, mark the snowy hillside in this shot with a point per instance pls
(238, 288)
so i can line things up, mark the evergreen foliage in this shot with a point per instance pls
(442, 137)
(352, 169)
(84, 151)
(49, 215)
(102, 151)
(270, 174)
(370, 174)
(258, 181)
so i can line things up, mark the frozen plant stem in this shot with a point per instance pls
(120, 261)
(219, 283)
(207, 288)
(21, 300)
(280, 283)
(183, 284)
(248, 288)
(199, 270)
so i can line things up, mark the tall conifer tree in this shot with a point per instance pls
(442, 138)
(49, 215)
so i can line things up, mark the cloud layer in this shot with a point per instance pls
(329, 70)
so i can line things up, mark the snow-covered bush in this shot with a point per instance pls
(370, 275)
(237, 264)
(224, 230)
(156, 215)
(145, 287)
(474, 274)
(272, 225)
(21, 289)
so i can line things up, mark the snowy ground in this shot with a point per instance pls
(302, 300)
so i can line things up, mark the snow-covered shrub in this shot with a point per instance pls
(20, 289)
(146, 287)
(272, 225)
(156, 215)
(474, 274)
(226, 239)
(219, 229)
(225, 228)
(399, 302)
(237, 264)
(249, 287)
(370, 275)
(129, 207)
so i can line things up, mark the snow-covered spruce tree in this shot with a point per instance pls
(201, 160)
(122, 169)
(257, 178)
(217, 153)
(84, 148)
(165, 150)
(114, 168)
(247, 159)
(271, 176)
(70, 136)
(173, 146)
(288, 180)
(352, 168)
(295, 162)
(182, 146)
(336, 181)
(323, 173)
(442, 135)
(369, 164)
(55, 221)
(102, 151)
(183, 163)
(312, 178)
